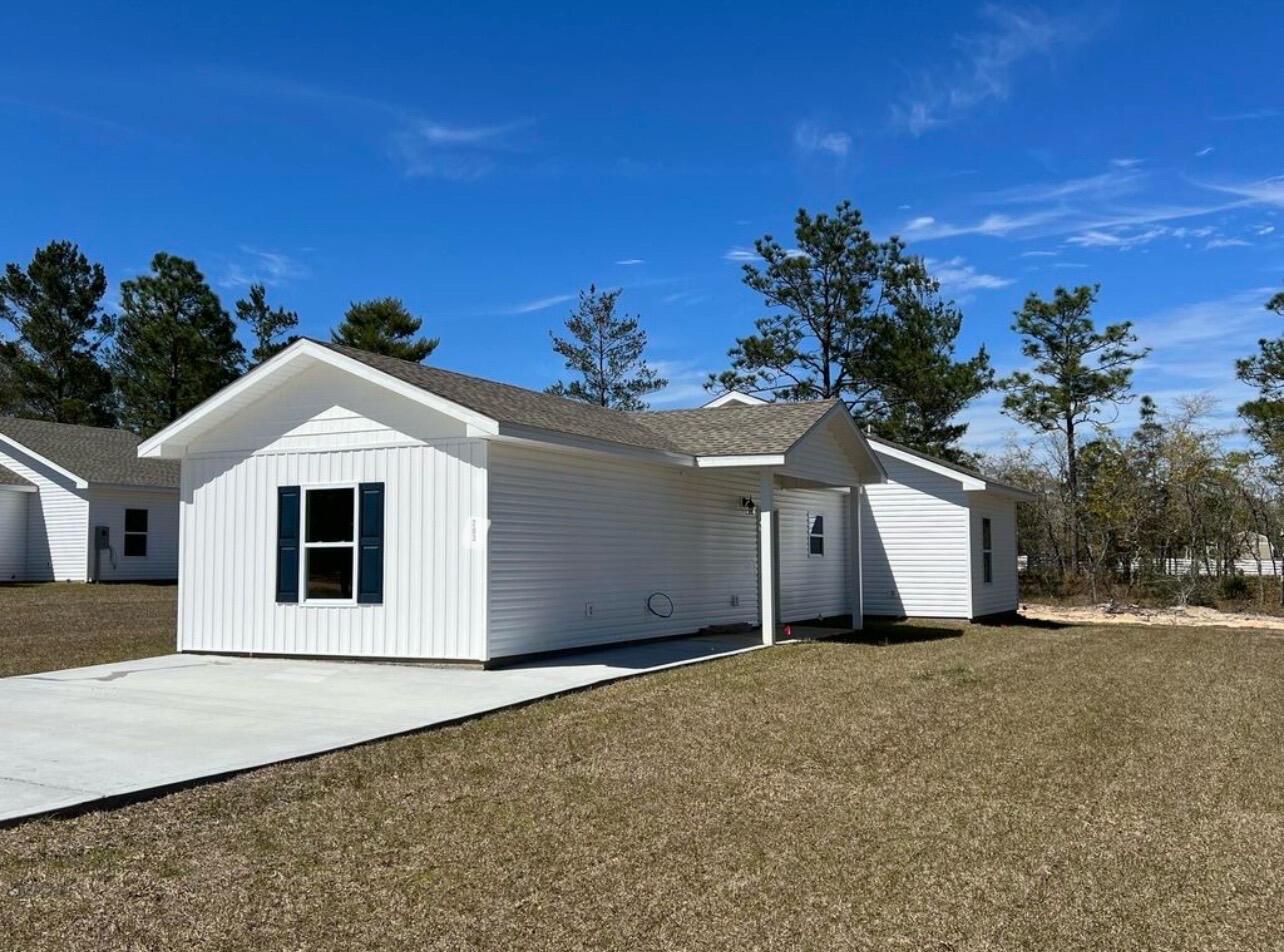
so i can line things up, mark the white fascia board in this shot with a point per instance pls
(154, 447)
(735, 397)
(970, 483)
(1009, 492)
(78, 481)
(11, 488)
(518, 433)
(760, 459)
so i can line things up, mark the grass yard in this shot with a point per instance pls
(68, 624)
(957, 788)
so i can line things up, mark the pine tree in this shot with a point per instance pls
(858, 320)
(1264, 371)
(267, 324)
(1078, 372)
(175, 345)
(384, 326)
(51, 369)
(606, 352)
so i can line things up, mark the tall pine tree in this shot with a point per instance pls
(175, 345)
(384, 326)
(268, 324)
(50, 370)
(605, 351)
(1078, 373)
(859, 320)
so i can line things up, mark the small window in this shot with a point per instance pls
(329, 543)
(815, 534)
(987, 552)
(136, 533)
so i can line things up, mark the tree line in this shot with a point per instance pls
(845, 316)
(169, 345)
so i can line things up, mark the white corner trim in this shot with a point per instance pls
(478, 424)
(78, 481)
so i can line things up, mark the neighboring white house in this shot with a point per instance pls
(77, 504)
(939, 539)
(339, 503)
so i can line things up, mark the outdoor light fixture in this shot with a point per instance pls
(748, 505)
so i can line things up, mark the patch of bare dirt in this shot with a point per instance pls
(1109, 613)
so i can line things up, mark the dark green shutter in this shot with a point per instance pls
(287, 544)
(370, 545)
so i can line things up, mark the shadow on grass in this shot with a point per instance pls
(886, 635)
(1013, 620)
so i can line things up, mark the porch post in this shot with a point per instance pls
(767, 556)
(855, 560)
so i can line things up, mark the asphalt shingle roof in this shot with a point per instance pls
(737, 430)
(9, 478)
(720, 431)
(93, 453)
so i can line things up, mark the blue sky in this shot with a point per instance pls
(484, 164)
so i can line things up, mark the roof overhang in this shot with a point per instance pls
(78, 481)
(969, 481)
(173, 440)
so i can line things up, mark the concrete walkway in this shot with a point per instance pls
(69, 738)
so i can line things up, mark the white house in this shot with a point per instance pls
(77, 504)
(938, 539)
(339, 503)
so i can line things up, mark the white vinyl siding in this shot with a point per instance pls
(57, 522)
(107, 508)
(434, 554)
(575, 530)
(812, 586)
(914, 538)
(1001, 594)
(13, 534)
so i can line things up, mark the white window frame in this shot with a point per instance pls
(987, 550)
(304, 545)
(125, 533)
(815, 535)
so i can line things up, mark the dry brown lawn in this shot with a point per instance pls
(955, 788)
(68, 624)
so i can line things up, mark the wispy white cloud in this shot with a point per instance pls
(1265, 229)
(685, 298)
(1108, 185)
(1227, 243)
(741, 254)
(1269, 191)
(810, 138)
(984, 65)
(959, 277)
(686, 383)
(1206, 150)
(1249, 115)
(1126, 163)
(631, 261)
(540, 304)
(997, 224)
(431, 149)
(1121, 239)
(1039, 254)
(255, 266)
(419, 145)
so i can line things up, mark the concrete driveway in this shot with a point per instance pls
(69, 738)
